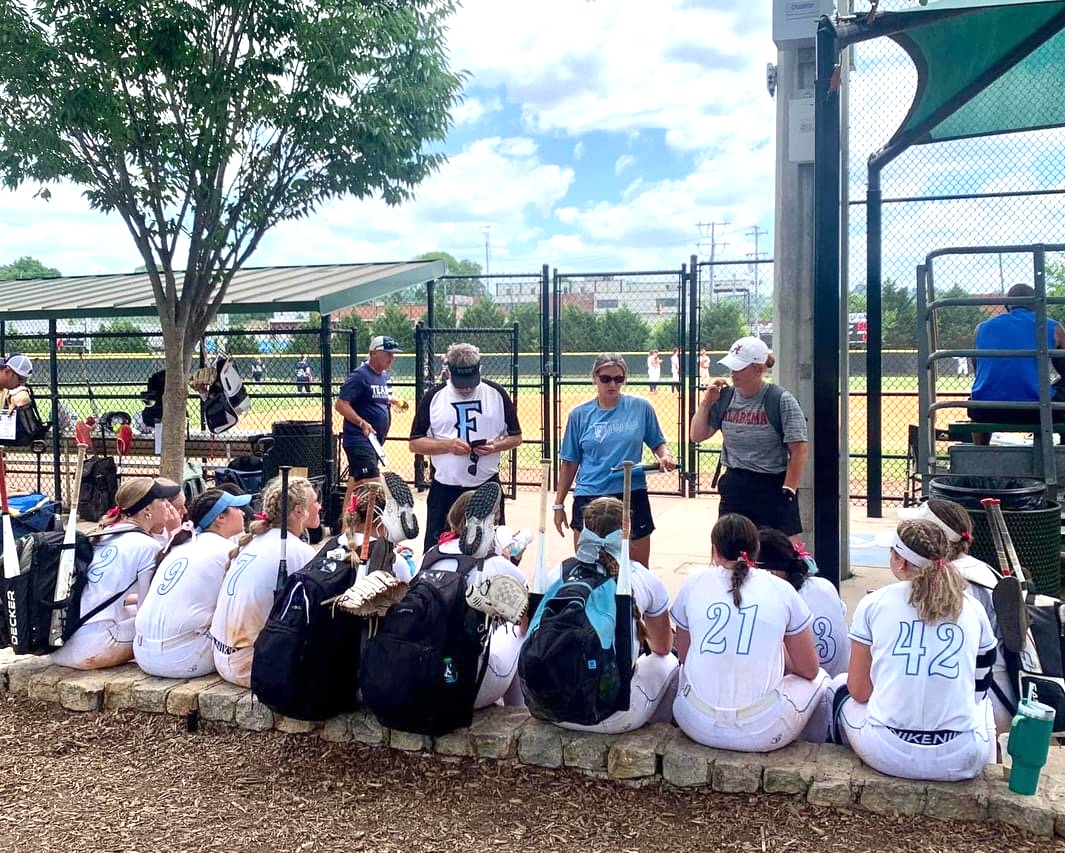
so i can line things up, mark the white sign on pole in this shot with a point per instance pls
(795, 21)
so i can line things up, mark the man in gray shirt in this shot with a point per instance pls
(764, 439)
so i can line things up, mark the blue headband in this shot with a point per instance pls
(590, 544)
(224, 502)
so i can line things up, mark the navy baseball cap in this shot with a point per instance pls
(385, 343)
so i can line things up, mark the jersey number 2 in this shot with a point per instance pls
(910, 644)
(719, 614)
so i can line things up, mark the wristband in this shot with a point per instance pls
(557, 507)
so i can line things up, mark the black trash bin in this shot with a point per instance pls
(1034, 524)
(1015, 493)
(296, 443)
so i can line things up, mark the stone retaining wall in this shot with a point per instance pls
(822, 774)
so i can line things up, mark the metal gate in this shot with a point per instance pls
(499, 363)
(637, 303)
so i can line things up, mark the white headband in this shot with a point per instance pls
(909, 555)
(925, 514)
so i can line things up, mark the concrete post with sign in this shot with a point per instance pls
(794, 29)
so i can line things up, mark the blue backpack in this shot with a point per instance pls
(576, 662)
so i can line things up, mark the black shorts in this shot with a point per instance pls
(642, 522)
(760, 497)
(362, 462)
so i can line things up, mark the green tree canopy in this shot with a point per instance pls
(527, 316)
(579, 330)
(623, 330)
(664, 335)
(483, 314)
(721, 322)
(27, 268)
(899, 312)
(132, 338)
(956, 325)
(393, 322)
(362, 332)
(204, 123)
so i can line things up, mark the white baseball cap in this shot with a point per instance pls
(384, 343)
(18, 363)
(745, 352)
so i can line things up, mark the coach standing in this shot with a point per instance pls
(464, 424)
(364, 403)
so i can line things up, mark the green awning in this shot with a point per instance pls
(983, 67)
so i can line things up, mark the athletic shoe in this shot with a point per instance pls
(499, 596)
(371, 595)
(398, 516)
(478, 533)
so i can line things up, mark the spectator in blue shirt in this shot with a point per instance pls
(1014, 379)
(364, 403)
(600, 435)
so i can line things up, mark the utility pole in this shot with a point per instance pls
(755, 233)
(487, 250)
(709, 229)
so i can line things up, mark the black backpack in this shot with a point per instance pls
(421, 670)
(153, 399)
(575, 665)
(306, 657)
(29, 599)
(99, 485)
(28, 424)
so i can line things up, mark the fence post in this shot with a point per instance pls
(692, 475)
(53, 380)
(419, 390)
(353, 350)
(546, 383)
(325, 338)
(514, 396)
(556, 349)
(430, 303)
(874, 335)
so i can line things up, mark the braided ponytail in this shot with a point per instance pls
(937, 590)
(298, 487)
(777, 553)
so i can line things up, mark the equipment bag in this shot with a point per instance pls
(420, 671)
(306, 657)
(32, 513)
(153, 399)
(244, 471)
(28, 424)
(99, 485)
(29, 598)
(192, 481)
(575, 665)
(1042, 660)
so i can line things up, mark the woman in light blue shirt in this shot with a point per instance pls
(600, 435)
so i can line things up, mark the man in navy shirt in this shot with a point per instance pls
(364, 403)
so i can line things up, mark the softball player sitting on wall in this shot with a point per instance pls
(247, 591)
(751, 678)
(779, 555)
(355, 524)
(654, 674)
(172, 639)
(914, 703)
(122, 565)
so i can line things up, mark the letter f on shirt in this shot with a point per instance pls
(465, 423)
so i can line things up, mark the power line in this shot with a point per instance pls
(709, 229)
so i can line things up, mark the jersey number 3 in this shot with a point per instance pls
(720, 614)
(910, 644)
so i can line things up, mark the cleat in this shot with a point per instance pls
(478, 534)
(398, 516)
(499, 596)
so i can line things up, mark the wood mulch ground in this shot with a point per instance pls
(133, 782)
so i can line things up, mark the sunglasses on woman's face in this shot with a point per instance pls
(610, 380)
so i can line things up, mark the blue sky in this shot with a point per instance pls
(593, 135)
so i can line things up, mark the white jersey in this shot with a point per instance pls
(400, 567)
(829, 624)
(492, 565)
(247, 591)
(120, 562)
(487, 413)
(649, 593)
(982, 579)
(924, 676)
(737, 654)
(654, 368)
(184, 591)
(674, 367)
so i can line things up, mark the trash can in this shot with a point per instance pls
(1015, 493)
(296, 443)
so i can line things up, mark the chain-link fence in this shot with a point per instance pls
(105, 367)
(999, 190)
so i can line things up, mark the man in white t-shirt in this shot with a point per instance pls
(464, 424)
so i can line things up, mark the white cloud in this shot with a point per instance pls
(625, 161)
(472, 109)
(578, 150)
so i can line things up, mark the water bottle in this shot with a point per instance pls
(451, 676)
(1029, 742)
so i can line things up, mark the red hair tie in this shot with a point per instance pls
(800, 550)
(260, 516)
(966, 537)
(353, 504)
(448, 536)
(744, 556)
(114, 512)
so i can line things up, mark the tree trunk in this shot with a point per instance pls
(171, 463)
